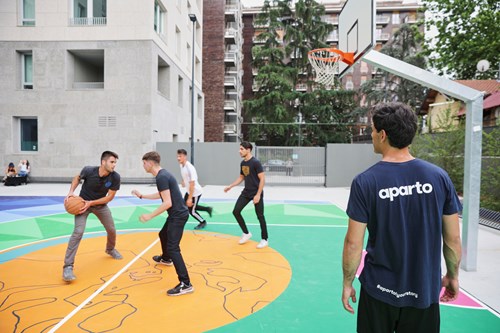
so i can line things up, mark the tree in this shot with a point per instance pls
(467, 31)
(405, 46)
(281, 115)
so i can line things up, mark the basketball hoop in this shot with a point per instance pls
(325, 62)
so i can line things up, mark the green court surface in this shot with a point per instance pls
(309, 235)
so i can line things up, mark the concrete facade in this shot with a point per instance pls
(120, 82)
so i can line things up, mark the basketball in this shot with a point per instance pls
(74, 204)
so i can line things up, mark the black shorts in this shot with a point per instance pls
(375, 316)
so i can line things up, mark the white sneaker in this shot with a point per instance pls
(245, 237)
(263, 243)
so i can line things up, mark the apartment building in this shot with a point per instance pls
(78, 77)
(390, 14)
(222, 69)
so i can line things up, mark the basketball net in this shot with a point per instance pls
(325, 62)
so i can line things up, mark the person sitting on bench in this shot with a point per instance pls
(10, 171)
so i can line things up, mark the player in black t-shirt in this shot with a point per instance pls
(251, 171)
(178, 214)
(100, 184)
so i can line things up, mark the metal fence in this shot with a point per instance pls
(293, 165)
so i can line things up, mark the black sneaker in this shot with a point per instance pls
(202, 225)
(159, 260)
(181, 289)
(210, 209)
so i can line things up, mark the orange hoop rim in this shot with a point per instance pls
(347, 57)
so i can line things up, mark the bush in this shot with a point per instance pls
(446, 149)
(490, 174)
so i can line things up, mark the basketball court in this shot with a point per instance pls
(292, 286)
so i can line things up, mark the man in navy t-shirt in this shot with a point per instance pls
(252, 173)
(408, 206)
(173, 229)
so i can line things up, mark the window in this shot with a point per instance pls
(85, 69)
(27, 12)
(180, 91)
(349, 85)
(200, 107)
(178, 41)
(88, 12)
(29, 134)
(159, 18)
(163, 78)
(189, 55)
(395, 18)
(27, 70)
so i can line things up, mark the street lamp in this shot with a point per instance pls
(193, 19)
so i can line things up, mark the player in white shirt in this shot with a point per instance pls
(193, 189)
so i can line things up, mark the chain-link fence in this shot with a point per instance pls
(293, 165)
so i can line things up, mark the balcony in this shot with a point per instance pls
(229, 128)
(411, 19)
(230, 57)
(301, 87)
(88, 85)
(333, 36)
(230, 81)
(87, 21)
(231, 12)
(230, 35)
(383, 19)
(258, 40)
(383, 36)
(331, 20)
(229, 105)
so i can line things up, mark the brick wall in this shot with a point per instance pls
(213, 69)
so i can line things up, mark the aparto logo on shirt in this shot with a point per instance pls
(393, 192)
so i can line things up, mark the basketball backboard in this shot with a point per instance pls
(356, 30)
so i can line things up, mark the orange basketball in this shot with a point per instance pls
(74, 204)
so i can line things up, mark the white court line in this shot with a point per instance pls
(98, 291)
(275, 225)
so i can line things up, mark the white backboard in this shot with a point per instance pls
(356, 29)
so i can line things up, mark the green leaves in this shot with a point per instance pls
(281, 113)
(467, 31)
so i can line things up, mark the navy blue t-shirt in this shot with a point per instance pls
(165, 181)
(403, 205)
(95, 187)
(250, 170)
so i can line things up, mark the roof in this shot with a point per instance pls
(486, 86)
(492, 101)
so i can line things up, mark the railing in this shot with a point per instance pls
(88, 85)
(229, 80)
(410, 19)
(229, 128)
(230, 8)
(383, 19)
(257, 39)
(230, 56)
(301, 87)
(383, 36)
(331, 20)
(230, 105)
(81, 21)
(333, 36)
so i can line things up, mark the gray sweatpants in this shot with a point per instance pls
(104, 215)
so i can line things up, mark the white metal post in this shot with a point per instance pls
(473, 139)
